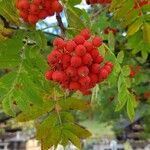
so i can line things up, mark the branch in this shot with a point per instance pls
(60, 24)
(99, 12)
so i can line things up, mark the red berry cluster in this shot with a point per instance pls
(32, 11)
(140, 3)
(77, 64)
(98, 1)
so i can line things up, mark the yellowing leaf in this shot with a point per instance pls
(134, 27)
(78, 130)
(52, 140)
(73, 138)
(8, 10)
(146, 32)
(74, 103)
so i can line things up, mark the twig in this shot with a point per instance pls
(60, 24)
(99, 12)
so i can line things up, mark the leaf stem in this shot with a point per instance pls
(56, 107)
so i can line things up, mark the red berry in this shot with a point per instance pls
(70, 46)
(48, 75)
(79, 39)
(33, 19)
(97, 41)
(50, 12)
(86, 33)
(42, 15)
(99, 59)
(71, 72)
(24, 15)
(58, 76)
(88, 45)
(59, 43)
(80, 50)
(34, 9)
(66, 60)
(104, 1)
(48, 5)
(37, 2)
(94, 78)
(50, 59)
(57, 55)
(56, 66)
(76, 61)
(108, 68)
(132, 73)
(75, 78)
(57, 7)
(86, 92)
(109, 64)
(87, 59)
(23, 4)
(74, 86)
(83, 71)
(95, 68)
(85, 81)
(103, 73)
(94, 53)
(88, 2)
(65, 84)
(92, 1)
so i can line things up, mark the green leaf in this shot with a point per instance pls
(8, 10)
(34, 112)
(146, 32)
(78, 130)
(30, 90)
(120, 57)
(7, 106)
(126, 70)
(130, 107)
(46, 126)
(65, 140)
(121, 82)
(111, 41)
(73, 138)
(144, 54)
(6, 82)
(36, 38)
(74, 16)
(146, 8)
(73, 2)
(73, 103)
(122, 8)
(131, 17)
(66, 117)
(122, 98)
(52, 139)
(10, 55)
(134, 27)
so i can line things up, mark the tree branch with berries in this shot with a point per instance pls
(92, 61)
